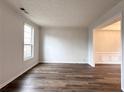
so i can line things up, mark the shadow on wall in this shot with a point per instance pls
(41, 53)
(62, 45)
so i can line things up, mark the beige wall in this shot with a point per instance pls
(107, 41)
(107, 47)
(63, 45)
(11, 47)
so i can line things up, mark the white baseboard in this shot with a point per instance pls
(92, 65)
(71, 62)
(122, 89)
(107, 62)
(7, 82)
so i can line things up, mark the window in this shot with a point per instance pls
(28, 41)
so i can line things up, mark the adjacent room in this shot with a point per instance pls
(107, 44)
(61, 45)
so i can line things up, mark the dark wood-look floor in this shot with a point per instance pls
(68, 78)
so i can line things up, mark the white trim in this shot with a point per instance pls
(108, 52)
(92, 65)
(27, 59)
(71, 62)
(32, 43)
(108, 62)
(10, 80)
(122, 89)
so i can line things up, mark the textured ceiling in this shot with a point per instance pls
(64, 13)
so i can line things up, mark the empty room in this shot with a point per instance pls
(61, 45)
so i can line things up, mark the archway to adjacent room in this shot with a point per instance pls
(107, 43)
(107, 46)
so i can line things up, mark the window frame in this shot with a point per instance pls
(32, 43)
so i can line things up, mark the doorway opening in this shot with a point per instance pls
(107, 48)
(107, 44)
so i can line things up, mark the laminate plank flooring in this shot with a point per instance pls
(68, 78)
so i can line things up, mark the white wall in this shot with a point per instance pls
(63, 45)
(1, 63)
(115, 11)
(122, 66)
(11, 44)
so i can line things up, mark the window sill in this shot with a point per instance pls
(28, 59)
